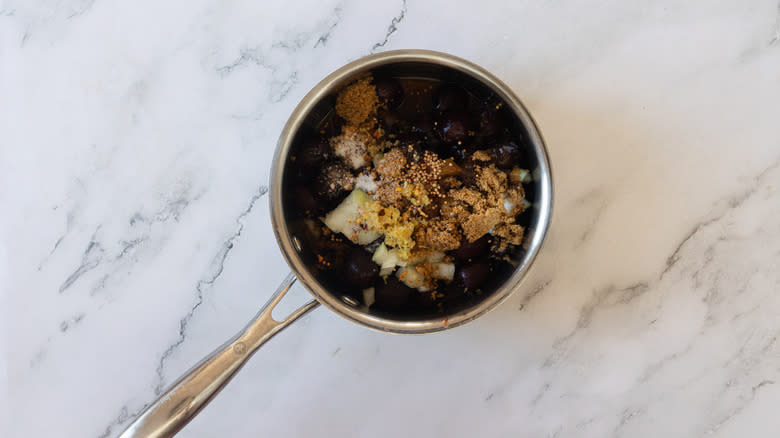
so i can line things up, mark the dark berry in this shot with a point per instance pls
(455, 151)
(359, 269)
(449, 98)
(391, 119)
(507, 155)
(434, 144)
(409, 139)
(304, 200)
(331, 125)
(424, 300)
(491, 124)
(450, 293)
(468, 250)
(455, 127)
(423, 125)
(389, 91)
(332, 182)
(330, 254)
(469, 173)
(314, 152)
(391, 294)
(473, 275)
(413, 145)
(300, 175)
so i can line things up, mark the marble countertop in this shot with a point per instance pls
(135, 143)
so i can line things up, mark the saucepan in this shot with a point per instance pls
(187, 396)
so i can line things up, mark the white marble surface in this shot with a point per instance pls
(135, 140)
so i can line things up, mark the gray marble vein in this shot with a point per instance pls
(219, 266)
(391, 28)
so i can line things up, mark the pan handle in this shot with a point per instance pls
(185, 398)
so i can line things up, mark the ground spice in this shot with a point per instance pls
(337, 177)
(509, 234)
(392, 164)
(357, 101)
(439, 235)
(481, 156)
(490, 207)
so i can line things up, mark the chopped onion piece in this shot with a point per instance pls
(368, 296)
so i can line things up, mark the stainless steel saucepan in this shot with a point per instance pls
(185, 398)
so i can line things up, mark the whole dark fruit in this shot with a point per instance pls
(434, 144)
(423, 125)
(409, 139)
(473, 275)
(452, 293)
(469, 250)
(301, 175)
(454, 151)
(413, 145)
(331, 126)
(491, 124)
(359, 269)
(304, 200)
(449, 98)
(314, 152)
(507, 155)
(391, 119)
(391, 294)
(454, 127)
(332, 182)
(389, 91)
(469, 173)
(423, 300)
(330, 254)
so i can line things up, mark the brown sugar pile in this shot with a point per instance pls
(480, 156)
(440, 235)
(357, 102)
(490, 206)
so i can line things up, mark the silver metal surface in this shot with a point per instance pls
(185, 398)
(410, 63)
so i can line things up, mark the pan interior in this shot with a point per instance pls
(322, 112)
